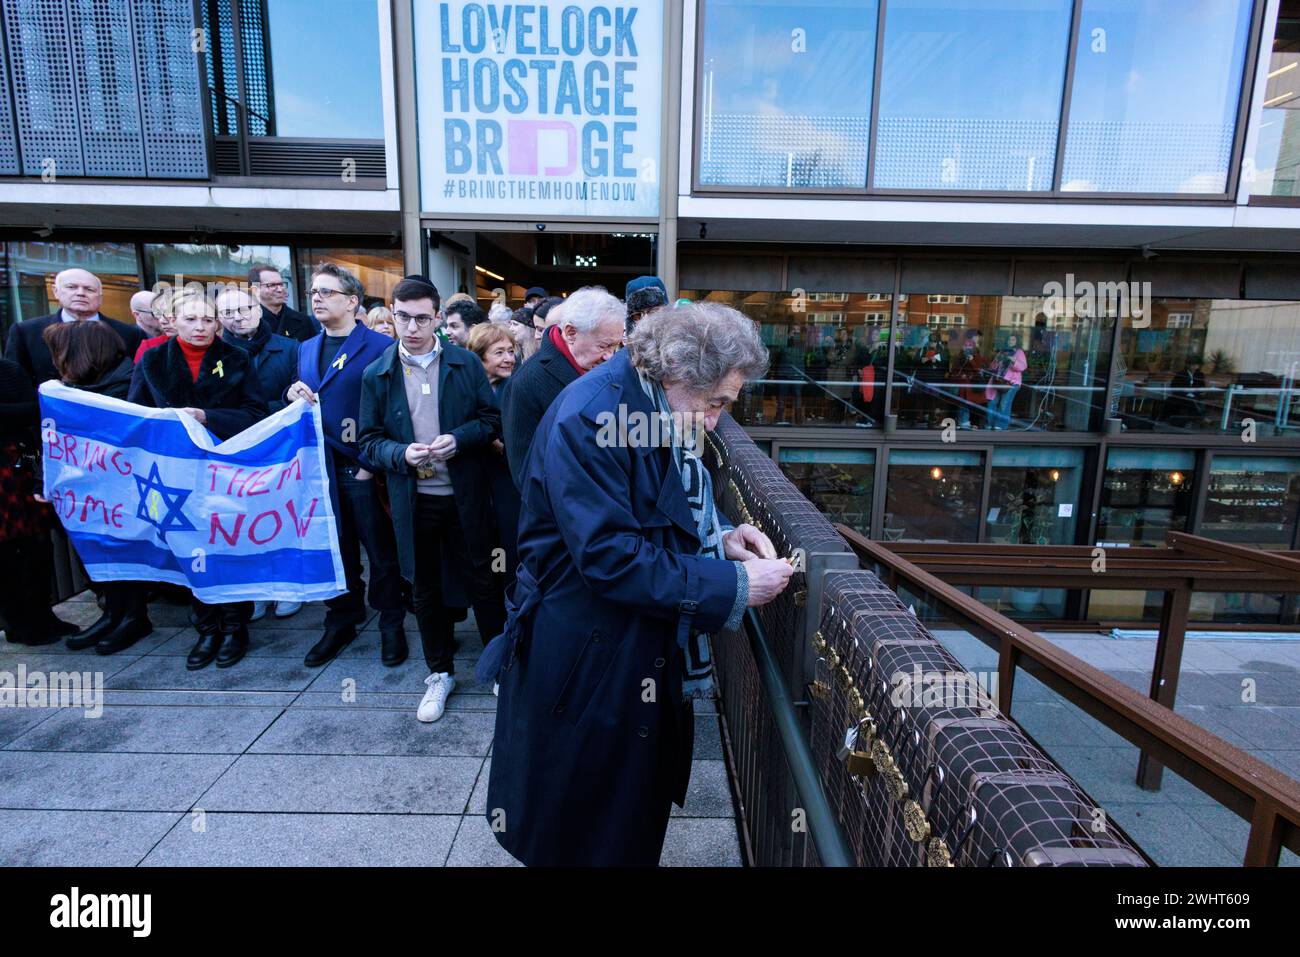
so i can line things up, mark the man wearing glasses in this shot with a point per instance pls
(273, 293)
(428, 419)
(329, 372)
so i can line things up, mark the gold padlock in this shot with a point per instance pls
(821, 690)
(881, 756)
(937, 854)
(895, 784)
(857, 704)
(918, 828)
(834, 659)
(860, 765)
(819, 643)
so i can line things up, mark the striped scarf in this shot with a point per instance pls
(698, 681)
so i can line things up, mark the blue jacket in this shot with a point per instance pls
(274, 365)
(586, 763)
(339, 391)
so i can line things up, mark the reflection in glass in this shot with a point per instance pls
(970, 94)
(999, 362)
(181, 263)
(1034, 496)
(1209, 365)
(1253, 500)
(1276, 169)
(933, 496)
(828, 357)
(837, 481)
(378, 269)
(1156, 89)
(30, 268)
(1145, 493)
(309, 68)
(785, 93)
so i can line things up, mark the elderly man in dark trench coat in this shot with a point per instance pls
(594, 729)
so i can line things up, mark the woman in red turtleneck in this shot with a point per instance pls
(198, 374)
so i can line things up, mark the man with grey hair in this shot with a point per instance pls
(588, 332)
(80, 295)
(625, 567)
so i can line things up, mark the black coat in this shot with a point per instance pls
(467, 410)
(27, 344)
(275, 363)
(292, 323)
(226, 393)
(525, 398)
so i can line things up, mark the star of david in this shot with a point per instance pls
(156, 497)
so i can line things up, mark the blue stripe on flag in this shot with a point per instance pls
(305, 566)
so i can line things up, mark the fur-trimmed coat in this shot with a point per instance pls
(225, 390)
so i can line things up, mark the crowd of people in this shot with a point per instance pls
(464, 458)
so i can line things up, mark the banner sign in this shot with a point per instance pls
(542, 109)
(150, 495)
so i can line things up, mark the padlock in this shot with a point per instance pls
(860, 765)
(937, 854)
(894, 783)
(821, 690)
(918, 828)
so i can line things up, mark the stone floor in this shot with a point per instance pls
(1179, 824)
(265, 763)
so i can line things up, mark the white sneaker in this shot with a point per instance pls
(440, 685)
(283, 609)
(259, 610)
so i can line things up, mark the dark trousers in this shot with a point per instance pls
(364, 523)
(222, 619)
(26, 568)
(438, 533)
(124, 600)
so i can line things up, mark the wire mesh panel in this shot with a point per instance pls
(9, 164)
(108, 102)
(45, 98)
(170, 94)
(920, 766)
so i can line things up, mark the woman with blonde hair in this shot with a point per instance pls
(380, 319)
(211, 381)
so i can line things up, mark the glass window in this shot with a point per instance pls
(1211, 365)
(378, 269)
(310, 67)
(324, 72)
(30, 269)
(1154, 103)
(933, 496)
(828, 357)
(1025, 363)
(1253, 500)
(837, 481)
(1276, 167)
(1145, 493)
(970, 93)
(1034, 496)
(180, 263)
(785, 93)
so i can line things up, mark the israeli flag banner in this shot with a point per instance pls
(150, 495)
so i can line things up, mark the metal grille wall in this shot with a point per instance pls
(8, 135)
(103, 88)
(913, 779)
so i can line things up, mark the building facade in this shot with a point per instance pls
(1029, 271)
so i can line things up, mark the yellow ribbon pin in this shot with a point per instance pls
(338, 363)
(219, 369)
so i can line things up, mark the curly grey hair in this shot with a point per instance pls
(697, 344)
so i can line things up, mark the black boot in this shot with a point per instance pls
(127, 633)
(394, 646)
(234, 632)
(96, 633)
(327, 649)
(208, 622)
